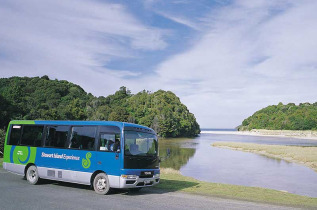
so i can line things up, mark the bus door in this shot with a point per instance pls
(109, 155)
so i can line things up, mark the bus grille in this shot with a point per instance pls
(142, 184)
(146, 176)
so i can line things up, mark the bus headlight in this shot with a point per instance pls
(156, 176)
(129, 176)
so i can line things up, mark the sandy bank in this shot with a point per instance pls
(275, 133)
(303, 155)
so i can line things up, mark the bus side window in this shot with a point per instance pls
(15, 135)
(83, 137)
(109, 142)
(56, 136)
(32, 135)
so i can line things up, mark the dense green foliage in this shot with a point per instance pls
(283, 117)
(161, 111)
(2, 138)
(41, 98)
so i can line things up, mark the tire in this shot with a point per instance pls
(101, 184)
(32, 175)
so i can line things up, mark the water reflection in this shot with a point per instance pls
(198, 159)
(175, 153)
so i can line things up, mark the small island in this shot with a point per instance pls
(283, 120)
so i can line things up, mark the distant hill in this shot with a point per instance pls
(41, 98)
(283, 117)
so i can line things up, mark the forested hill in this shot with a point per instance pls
(283, 117)
(41, 98)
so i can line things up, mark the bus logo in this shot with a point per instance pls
(19, 153)
(86, 162)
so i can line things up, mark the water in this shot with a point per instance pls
(218, 129)
(197, 158)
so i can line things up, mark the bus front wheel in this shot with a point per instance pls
(101, 184)
(32, 175)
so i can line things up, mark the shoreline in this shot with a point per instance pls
(311, 135)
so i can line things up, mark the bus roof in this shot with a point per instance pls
(68, 122)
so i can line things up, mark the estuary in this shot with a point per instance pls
(198, 159)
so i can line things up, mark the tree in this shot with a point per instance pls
(44, 99)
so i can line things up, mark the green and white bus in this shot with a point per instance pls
(102, 154)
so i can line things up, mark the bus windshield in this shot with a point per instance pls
(140, 144)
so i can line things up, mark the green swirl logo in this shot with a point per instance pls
(22, 155)
(86, 162)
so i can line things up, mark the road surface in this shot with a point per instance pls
(16, 193)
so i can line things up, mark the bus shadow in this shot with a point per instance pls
(166, 186)
(64, 184)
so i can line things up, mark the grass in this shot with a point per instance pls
(302, 155)
(1, 161)
(172, 180)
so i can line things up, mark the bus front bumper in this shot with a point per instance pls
(133, 181)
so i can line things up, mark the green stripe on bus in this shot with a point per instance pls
(24, 122)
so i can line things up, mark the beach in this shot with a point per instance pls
(275, 133)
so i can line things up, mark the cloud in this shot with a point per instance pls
(253, 54)
(242, 56)
(72, 40)
(180, 20)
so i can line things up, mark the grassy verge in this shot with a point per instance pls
(172, 180)
(1, 161)
(302, 155)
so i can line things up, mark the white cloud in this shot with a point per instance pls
(254, 54)
(72, 40)
(180, 20)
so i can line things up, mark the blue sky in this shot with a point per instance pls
(224, 59)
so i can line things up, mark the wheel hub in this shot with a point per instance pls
(101, 184)
(32, 174)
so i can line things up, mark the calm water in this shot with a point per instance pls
(197, 158)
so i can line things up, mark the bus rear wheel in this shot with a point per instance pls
(101, 184)
(32, 175)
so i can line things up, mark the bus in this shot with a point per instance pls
(103, 154)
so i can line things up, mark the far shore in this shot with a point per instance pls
(312, 135)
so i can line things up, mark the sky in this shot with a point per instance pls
(224, 59)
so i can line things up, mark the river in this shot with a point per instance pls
(198, 159)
